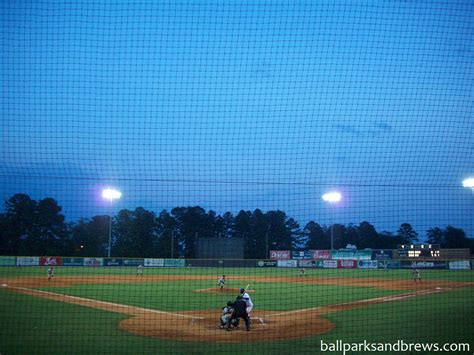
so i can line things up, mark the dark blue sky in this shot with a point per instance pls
(241, 105)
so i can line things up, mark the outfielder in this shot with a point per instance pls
(140, 269)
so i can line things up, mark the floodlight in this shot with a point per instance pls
(469, 183)
(111, 194)
(332, 197)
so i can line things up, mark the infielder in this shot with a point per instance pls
(247, 299)
(50, 272)
(416, 275)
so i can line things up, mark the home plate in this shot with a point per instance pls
(4, 285)
(438, 288)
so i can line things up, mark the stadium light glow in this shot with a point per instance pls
(111, 194)
(332, 197)
(468, 183)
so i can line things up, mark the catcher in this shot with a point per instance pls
(227, 316)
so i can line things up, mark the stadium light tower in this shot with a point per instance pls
(332, 198)
(111, 194)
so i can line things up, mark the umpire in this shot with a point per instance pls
(240, 311)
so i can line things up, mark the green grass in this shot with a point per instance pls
(401, 274)
(32, 325)
(175, 296)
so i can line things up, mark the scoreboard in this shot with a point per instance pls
(414, 251)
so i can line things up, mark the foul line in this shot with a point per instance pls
(355, 303)
(103, 302)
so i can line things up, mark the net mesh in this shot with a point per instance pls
(231, 120)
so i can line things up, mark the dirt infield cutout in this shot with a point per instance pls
(203, 325)
(218, 290)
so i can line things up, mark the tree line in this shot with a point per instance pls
(30, 227)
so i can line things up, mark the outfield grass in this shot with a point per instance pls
(32, 325)
(396, 274)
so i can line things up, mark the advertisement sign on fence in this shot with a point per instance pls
(329, 264)
(112, 262)
(279, 254)
(389, 264)
(92, 261)
(287, 263)
(44, 260)
(405, 264)
(349, 254)
(318, 263)
(382, 254)
(346, 264)
(305, 263)
(73, 262)
(174, 262)
(7, 261)
(298, 255)
(367, 264)
(267, 263)
(154, 262)
(459, 265)
(320, 254)
(27, 261)
(132, 262)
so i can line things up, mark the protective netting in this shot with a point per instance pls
(222, 124)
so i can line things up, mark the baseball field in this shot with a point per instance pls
(86, 310)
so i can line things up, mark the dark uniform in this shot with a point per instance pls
(240, 311)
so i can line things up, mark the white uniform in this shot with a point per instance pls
(221, 282)
(248, 301)
(50, 273)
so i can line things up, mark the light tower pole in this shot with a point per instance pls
(111, 195)
(332, 197)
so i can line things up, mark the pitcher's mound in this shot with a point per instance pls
(235, 291)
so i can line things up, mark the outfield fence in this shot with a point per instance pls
(451, 264)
